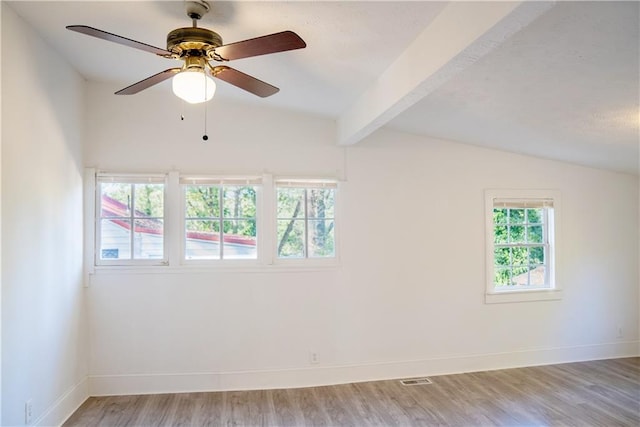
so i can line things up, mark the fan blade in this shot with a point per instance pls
(278, 42)
(244, 81)
(148, 82)
(90, 31)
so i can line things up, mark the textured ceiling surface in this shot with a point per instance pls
(565, 86)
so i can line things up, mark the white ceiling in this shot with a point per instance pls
(558, 81)
(564, 87)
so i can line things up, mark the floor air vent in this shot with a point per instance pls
(416, 381)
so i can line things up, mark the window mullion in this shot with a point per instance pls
(132, 220)
(174, 223)
(508, 223)
(221, 220)
(97, 194)
(306, 224)
(528, 264)
(545, 226)
(266, 221)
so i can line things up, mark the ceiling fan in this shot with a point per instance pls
(196, 47)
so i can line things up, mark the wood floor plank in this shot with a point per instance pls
(156, 411)
(183, 410)
(88, 412)
(286, 410)
(208, 409)
(313, 412)
(237, 411)
(595, 393)
(338, 410)
(364, 406)
(416, 414)
(384, 406)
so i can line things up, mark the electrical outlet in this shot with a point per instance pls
(28, 412)
(313, 358)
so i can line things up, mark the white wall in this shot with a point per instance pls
(0, 232)
(44, 339)
(408, 297)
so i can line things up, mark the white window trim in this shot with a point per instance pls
(293, 182)
(256, 181)
(130, 178)
(89, 221)
(174, 262)
(554, 292)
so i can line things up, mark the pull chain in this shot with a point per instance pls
(205, 137)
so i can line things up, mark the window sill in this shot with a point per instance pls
(523, 296)
(201, 268)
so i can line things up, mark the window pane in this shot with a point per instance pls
(115, 241)
(500, 234)
(516, 234)
(534, 234)
(202, 239)
(291, 238)
(239, 239)
(320, 202)
(148, 240)
(500, 216)
(502, 256)
(202, 201)
(239, 202)
(534, 216)
(290, 202)
(321, 238)
(115, 199)
(149, 200)
(502, 276)
(516, 216)
(537, 276)
(536, 255)
(520, 276)
(520, 256)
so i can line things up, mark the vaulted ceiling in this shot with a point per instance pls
(557, 80)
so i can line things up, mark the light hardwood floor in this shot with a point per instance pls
(595, 393)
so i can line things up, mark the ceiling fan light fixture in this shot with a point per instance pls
(193, 85)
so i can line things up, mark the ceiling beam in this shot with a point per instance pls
(459, 36)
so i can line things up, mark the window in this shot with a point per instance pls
(305, 219)
(205, 221)
(130, 226)
(521, 244)
(220, 219)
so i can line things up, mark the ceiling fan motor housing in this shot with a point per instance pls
(193, 41)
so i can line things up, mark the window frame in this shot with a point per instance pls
(221, 182)
(130, 179)
(551, 240)
(307, 184)
(174, 222)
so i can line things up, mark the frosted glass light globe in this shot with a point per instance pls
(194, 86)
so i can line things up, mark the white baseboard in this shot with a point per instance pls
(66, 405)
(109, 385)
